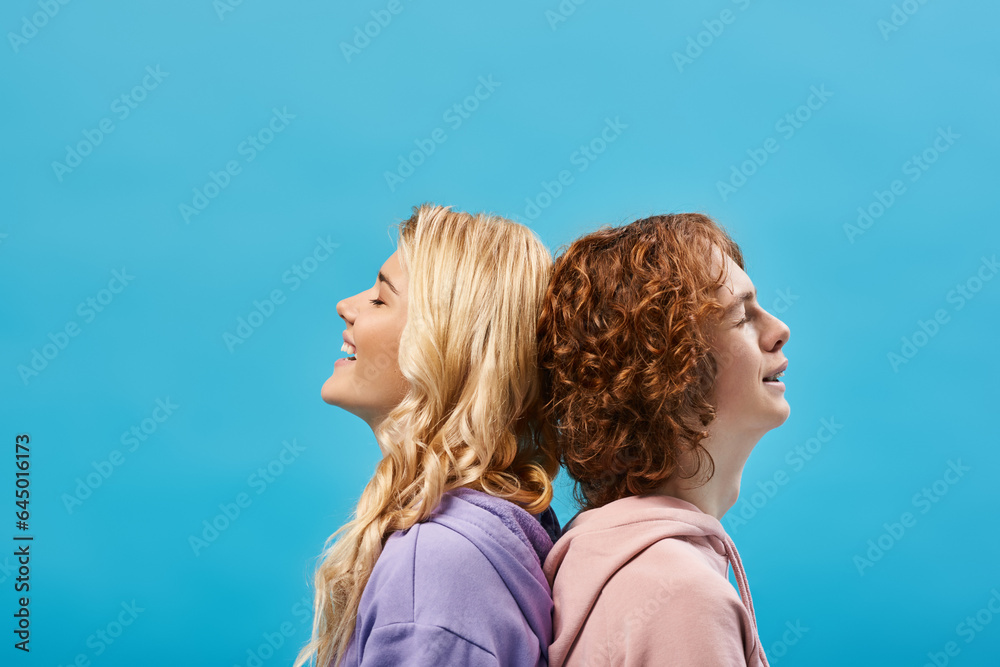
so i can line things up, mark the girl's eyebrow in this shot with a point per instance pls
(381, 276)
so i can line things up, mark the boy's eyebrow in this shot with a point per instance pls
(740, 300)
(381, 276)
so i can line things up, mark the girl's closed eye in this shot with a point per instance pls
(376, 302)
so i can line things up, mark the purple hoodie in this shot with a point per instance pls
(465, 587)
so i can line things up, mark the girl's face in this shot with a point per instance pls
(368, 382)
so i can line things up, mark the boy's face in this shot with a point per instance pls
(747, 346)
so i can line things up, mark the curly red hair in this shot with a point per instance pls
(624, 350)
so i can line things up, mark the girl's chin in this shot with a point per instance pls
(328, 392)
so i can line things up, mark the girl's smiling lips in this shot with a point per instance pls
(350, 349)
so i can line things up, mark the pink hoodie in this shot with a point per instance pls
(642, 581)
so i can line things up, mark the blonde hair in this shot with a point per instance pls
(469, 419)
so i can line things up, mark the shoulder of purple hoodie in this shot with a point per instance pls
(644, 578)
(465, 587)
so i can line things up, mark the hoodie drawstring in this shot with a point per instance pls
(744, 586)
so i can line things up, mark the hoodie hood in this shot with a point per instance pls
(599, 542)
(467, 517)
(464, 587)
(516, 544)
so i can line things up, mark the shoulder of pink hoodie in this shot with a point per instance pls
(642, 581)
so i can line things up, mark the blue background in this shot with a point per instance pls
(850, 297)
